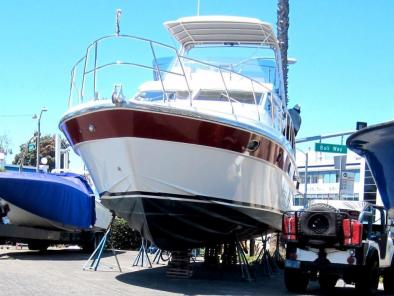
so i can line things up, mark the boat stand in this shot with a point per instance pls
(94, 260)
(142, 253)
(264, 257)
(180, 266)
(243, 262)
(161, 255)
(277, 257)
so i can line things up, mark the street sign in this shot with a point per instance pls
(31, 147)
(361, 125)
(346, 184)
(340, 162)
(332, 148)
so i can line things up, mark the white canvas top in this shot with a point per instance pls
(221, 29)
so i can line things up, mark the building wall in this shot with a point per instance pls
(323, 177)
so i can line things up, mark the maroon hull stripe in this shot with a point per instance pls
(116, 123)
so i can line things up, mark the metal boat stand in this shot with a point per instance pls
(159, 254)
(264, 257)
(277, 257)
(94, 259)
(243, 262)
(142, 253)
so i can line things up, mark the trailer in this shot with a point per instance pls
(40, 239)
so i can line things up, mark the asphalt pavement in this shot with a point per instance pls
(59, 272)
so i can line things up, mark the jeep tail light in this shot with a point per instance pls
(352, 232)
(289, 227)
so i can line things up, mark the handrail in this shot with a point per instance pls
(130, 64)
(180, 61)
(224, 69)
(158, 70)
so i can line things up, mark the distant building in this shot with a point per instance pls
(323, 178)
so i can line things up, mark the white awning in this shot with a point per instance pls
(221, 29)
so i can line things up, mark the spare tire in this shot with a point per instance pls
(319, 224)
(322, 207)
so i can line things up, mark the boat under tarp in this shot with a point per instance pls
(376, 143)
(65, 198)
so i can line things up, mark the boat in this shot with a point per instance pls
(375, 144)
(62, 201)
(194, 152)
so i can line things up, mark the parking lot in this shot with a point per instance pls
(59, 272)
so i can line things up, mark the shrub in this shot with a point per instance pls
(123, 236)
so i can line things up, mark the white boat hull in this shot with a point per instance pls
(182, 181)
(136, 168)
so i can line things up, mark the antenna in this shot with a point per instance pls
(198, 7)
(118, 14)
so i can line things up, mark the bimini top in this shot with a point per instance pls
(221, 29)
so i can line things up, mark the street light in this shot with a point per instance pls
(38, 138)
(26, 149)
(306, 176)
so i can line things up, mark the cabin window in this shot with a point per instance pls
(155, 95)
(235, 96)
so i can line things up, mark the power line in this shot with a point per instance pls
(16, 115)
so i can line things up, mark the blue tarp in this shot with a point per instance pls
(65, 198)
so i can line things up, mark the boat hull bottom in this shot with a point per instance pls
(173, 224)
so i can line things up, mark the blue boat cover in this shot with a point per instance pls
(64, 198)
(375, 143)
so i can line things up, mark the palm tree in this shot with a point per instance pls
(283, 38)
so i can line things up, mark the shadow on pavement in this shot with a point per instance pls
(207, 281)
(204, 282)
(53, 255)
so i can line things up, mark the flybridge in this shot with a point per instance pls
(189, 31)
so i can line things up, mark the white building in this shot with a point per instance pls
(323, 177)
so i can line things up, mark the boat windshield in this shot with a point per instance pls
(158, 95)
(244, 97)
(256, 62)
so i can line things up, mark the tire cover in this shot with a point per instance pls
(324, 212)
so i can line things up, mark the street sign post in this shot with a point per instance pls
(331, 148)
(346, 184)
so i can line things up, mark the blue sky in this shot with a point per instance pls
(344, 50)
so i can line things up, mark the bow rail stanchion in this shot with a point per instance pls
(142, 253)
(94, 260)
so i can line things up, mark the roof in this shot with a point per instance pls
(221, 29)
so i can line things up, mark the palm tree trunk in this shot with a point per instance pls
(283, 38)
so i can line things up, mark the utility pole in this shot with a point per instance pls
(305, 197)
(38, 139)
(306, 180)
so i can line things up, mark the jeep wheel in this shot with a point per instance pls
(295, 280)
(327, 281)
(388, 277)
(368, 280)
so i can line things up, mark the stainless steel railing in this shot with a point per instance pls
(280, 118)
